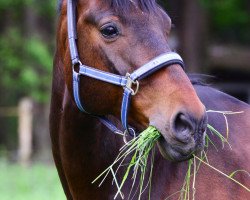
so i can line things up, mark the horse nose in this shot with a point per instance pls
(185, 126)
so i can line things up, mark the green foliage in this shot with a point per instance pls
(4, 4)
(26, 60)
(26, 65)
(229, 19)
(228, 13)
(26, 38)
(46, 8)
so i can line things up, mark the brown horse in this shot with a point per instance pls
(119, 36)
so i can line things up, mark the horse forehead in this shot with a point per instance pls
(132, 15)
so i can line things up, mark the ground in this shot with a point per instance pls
(39, 182)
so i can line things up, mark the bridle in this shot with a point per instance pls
(128, 82)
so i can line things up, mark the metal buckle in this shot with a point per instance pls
(130, 84)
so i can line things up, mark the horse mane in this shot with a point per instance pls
(124, 5)
(144, 5)
(201, 79)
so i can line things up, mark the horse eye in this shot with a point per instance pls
(109, 31)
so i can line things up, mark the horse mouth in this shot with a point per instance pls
(178, 152)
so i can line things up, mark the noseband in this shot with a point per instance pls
(128, 82)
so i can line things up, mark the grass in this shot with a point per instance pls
(186, 190)
(39, 182)
(142, 147)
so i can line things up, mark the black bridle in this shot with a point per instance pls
(128, 82)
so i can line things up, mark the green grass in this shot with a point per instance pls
(38, 182)
(188, 187)
(141, 148)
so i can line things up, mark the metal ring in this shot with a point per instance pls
(134, 92)
(130, 83)
(79, 63)
(124, 137)
(119, 133)
(128, 132)
(132, 130)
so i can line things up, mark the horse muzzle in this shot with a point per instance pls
(185, 137)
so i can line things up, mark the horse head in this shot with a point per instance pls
(119, 36)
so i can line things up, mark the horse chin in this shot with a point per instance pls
(179, 152)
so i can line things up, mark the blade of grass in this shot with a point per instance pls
(237, 171)
(222, 173)
(140, 148)
(117, 185)
(222, 138)
(194, 178)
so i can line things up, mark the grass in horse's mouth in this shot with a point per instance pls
(142, 150)
(188, 187)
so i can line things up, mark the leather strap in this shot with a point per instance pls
(72, 33)
(102, 76)
(126, 82)
(161, 61)
(157, 63)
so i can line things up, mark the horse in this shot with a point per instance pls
(119, 39)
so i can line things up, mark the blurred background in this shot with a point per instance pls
(213, 36)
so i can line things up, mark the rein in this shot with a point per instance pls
(128, 82)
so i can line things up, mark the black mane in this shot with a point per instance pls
(201, 79)
(144, 5)
(123, 5)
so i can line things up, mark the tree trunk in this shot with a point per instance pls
(190, 22)
(193, 35)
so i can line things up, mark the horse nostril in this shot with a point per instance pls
(183, 128)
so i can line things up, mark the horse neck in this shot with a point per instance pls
(94, 139)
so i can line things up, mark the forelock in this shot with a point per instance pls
(124, 5)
